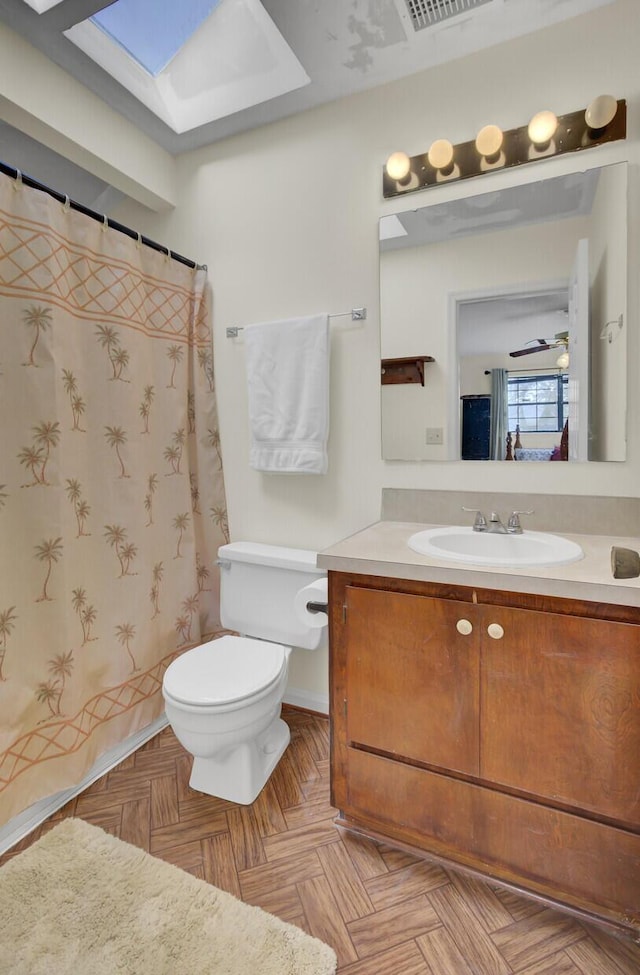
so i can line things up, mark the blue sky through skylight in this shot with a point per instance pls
(153, 31)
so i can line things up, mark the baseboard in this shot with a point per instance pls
(25, 822)
(32, 817)
(307, 700)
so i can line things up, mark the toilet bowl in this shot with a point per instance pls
(223, 698)
(223, 701)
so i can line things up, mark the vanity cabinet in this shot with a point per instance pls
(413, 686)
(494, 729)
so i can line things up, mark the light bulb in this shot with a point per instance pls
(489, 141)
(601, 111)
(398, 165)
(563, 360)
(440, 154)
(542, 128)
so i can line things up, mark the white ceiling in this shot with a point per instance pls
(344, 46)
(544, 201)
(500, 325)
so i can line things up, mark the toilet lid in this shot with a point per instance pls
(224, 670)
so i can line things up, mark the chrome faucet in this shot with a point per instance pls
(513, 525)
(494, 525)
(480, 522)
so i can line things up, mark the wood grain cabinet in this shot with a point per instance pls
(497, 730)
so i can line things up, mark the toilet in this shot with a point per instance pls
(223, 698)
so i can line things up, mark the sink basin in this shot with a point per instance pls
(463, 544)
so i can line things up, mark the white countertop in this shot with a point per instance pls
(382, 550)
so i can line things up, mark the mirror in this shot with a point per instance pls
(499, 289)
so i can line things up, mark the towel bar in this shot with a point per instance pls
(357, 315)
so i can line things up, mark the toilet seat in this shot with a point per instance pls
(224, 671)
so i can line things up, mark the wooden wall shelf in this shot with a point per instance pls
(407, 370)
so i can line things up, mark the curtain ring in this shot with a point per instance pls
(17, 183)
(67, 203)
(139, 240)
(169, 254)
(105, 223)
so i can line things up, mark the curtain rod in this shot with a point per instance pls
(100, 217)
(542, 370)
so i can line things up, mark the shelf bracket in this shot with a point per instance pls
(407, 370)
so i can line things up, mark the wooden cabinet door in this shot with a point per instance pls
(560, 709)
(412, 678)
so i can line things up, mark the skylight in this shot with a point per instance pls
(153, 31)
(391, 226)
(41, 6)
(191, 61)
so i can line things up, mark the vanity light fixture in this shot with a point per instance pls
(440, 156)
(562, 361)
(398, 165)
(600, 112)
(542, 128)
(546, 135)
(489, 144)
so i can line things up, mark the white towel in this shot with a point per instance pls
(288, 386)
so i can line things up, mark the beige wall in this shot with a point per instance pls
(286, 219)
(39, 98)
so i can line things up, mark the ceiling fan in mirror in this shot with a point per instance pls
(559, 341)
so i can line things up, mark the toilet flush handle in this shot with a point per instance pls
(224, 564)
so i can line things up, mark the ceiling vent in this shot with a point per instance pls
(428, 13)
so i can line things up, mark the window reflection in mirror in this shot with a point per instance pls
(538, 270)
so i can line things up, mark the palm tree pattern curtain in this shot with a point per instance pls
(112, 501)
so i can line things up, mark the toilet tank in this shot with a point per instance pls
(258, 589)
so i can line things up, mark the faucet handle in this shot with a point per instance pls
(480, 522)
(513, 525)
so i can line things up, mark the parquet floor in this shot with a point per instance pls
(385, 912)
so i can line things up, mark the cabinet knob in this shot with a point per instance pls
(464, 627)
(495, 631)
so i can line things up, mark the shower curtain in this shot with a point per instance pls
(112, 502)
